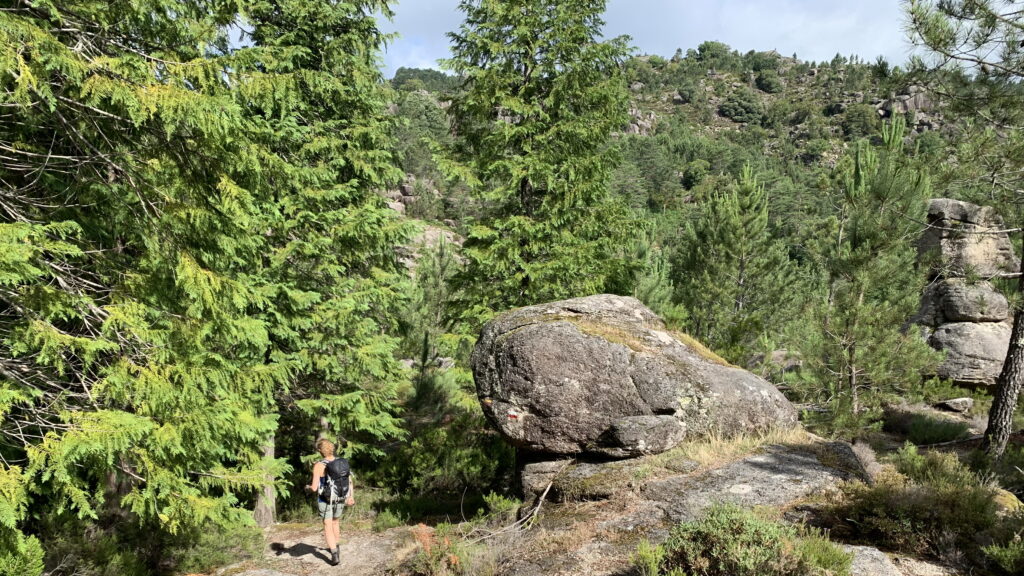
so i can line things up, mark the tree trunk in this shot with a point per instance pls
(1000, 416)
(266, 503)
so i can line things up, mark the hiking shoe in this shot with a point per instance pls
(336, 556)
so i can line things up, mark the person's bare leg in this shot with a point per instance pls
(337, 531)
(330, 534)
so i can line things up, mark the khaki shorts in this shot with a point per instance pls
(330, 510)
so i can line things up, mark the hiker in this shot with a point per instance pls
(332, 483)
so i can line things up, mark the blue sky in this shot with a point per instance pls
(813, 29)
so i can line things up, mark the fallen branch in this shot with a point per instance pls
(951, 442)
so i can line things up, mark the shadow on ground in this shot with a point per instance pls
(299, 550)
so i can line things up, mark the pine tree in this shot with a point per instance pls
(541, 96)
(733, 278)
(858, 348)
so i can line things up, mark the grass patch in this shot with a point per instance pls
(700, 349)
(729, 541)
(715, 451)
(924, 429)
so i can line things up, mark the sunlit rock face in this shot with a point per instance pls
(601, 375)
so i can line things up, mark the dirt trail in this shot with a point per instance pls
(299, 550)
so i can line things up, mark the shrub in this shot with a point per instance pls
(211, 548)
(930, 504)
(860, 120)
(387, 519)
(1008, 554)
(647, 558)
(769, 81)
(1009, 469)
(741, 106)
(730, 541)
(924, 429)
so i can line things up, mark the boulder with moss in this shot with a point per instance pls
(602, 375)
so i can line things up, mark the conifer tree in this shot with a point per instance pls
(857, 345)
(336, 278)
(541, 95)
(189, 235)
(732, 277)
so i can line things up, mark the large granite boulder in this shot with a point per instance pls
(602, 375)
(964, 239)
(974, 351)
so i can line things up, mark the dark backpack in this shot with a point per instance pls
(334, 484)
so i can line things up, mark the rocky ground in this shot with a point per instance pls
(585, 529)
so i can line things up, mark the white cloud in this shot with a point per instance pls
(813, 29)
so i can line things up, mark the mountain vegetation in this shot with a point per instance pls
(201, 273)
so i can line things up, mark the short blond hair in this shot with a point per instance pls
(325, 447)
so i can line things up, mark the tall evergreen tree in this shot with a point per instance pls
(732, 277)
(188, 233)
(540, 97)
(857, 344)
(337, 283)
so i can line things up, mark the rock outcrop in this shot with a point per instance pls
(961, 312)
(596, 511)
(964, 239)
(601, 375)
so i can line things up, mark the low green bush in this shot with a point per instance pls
(929, 502)
(387, 519)
(729, 541)
(932, 504)
(1008, 470)
(1008, 552)
(924, 429)
(211, 548)
(123, 546)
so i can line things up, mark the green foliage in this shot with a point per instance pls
(20, 555)
(931, 504)
(450, 448)
(424, 123)
(729, 541)
(412, 79)
(930, 430)
(541, 98)
(1006, 469)
(854, 348)
(1008, 554)
(769, 81)
(207, 549)
(387, 519)
(742, 105)
(648, 558)
(860, 121)
(199, 249)
(654, 286)
(731, 276)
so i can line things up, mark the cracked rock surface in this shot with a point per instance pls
(602, 375)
